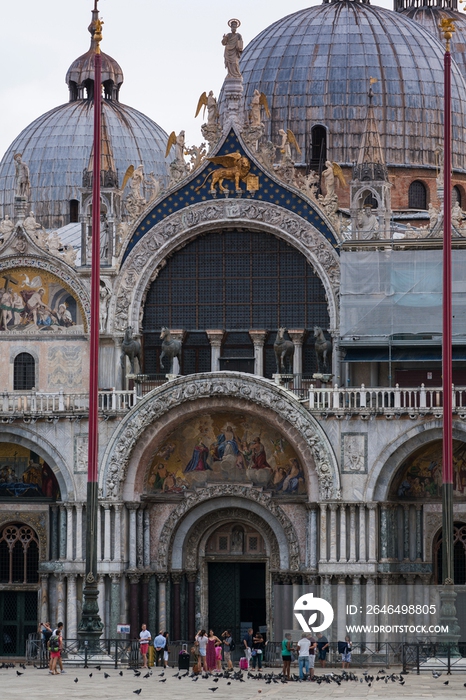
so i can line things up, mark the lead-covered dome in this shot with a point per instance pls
(430, 18)
(57, 146)
(314, 67)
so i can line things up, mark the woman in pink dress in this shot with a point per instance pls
(211, 655)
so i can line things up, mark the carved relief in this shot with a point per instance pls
(259, 392)
(201, 495)
(178, 229)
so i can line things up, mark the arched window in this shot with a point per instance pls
(24, 375)
(459, 555)
(456, 195)
(318, 149)
(417, 195)
(371, 201)
(74, 211)
(19, 555)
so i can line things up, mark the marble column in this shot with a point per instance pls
(323, 532)
(406, 532)
(140, 537)
(60, 596)
(326, 594)
(71, 607)
(312, 538)
(296, 593)
(341, 607)
(132, 507)
(62, 535)
(372, 532)
(146, 537)
(384, 532)
(44, 598)
(107, 532)
(297, 336)
(362, 532)
(162, 601)
(99, 533)
(117, 553)
(215, 339)
(352, 535)
(69, 531)
(411, 618)
(418, 531)
(191, 577)
(54, 549)
(144, 612)
(343, 556)
(258, 338)
(102, 604)
(134, 603)
(115, 602)
(333, 532)
(356, 601)
(79, 531)
(366, 620)
(176, 580)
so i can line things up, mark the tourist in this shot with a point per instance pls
(58, 631)
(160, 642)
(258, 645)
(346, 653)
(287, 646)
(144, 639)
(322, 648)
(166, 651)
(55, 648)
(228, 647)
(312, 655)
(201, 642)
(248, 641)
(212, 642)
(303, 658)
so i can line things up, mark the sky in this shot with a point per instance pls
(170, 53)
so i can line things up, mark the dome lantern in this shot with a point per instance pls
(80, 75)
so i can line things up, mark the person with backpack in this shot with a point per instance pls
(228, 646)
(59, 632)
(54, 647)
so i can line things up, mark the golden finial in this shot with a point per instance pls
(98, 34)
(447, 25)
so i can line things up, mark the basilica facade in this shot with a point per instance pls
(270, 403)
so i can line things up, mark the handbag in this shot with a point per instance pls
(254, 652)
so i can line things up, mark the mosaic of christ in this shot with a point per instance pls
(225, 447)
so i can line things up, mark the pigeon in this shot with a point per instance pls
(215, 680)
(106, 675)
(90, 675)
(147, 675)
(213, 689)
(99, 668)
(137, 673)
(195, 679)
(163, 680)
(435, 674)
(19, 674)
(137, 692)
(121, 673)
(76, 680)
(229, 683)
(446, 682)
(23, 666)
(175, 675)
(162, 674)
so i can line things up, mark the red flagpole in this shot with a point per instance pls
(447, 470)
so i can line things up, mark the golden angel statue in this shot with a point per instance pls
(288, 141)
(208, 101)
(259, 100)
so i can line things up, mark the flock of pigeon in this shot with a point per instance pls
(266, 678)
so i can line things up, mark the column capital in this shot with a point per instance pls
(371, 506)
(409, 578)
(59, 575)
(333, 506)
(133, 576)
(418, 506)
(79, 506)
(323, 507)
(258, 337)
(327, 580)
(352, 508)
(370, 578)
(296, 579)
(356, 579)
(177, 577)
(117, 507)
(132, 505)
(191, 576)
(43, 577)
(215, 337)
(297, 336)
(106, 506)
(341, 579)
(309, 579)
(162, 578)
(115, 578)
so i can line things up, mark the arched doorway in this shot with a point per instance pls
(459, 555)
(236, 559)
(19, 563)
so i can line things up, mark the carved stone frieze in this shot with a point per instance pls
(193, 499)
(178, 229)
(227, 384)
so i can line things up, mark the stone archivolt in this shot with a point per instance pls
(226, 384)
(235, 513)
(144, 262)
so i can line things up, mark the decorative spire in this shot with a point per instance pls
(371, 162)
(400, 5)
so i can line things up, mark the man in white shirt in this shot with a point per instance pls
(144, 639)
(304, 645)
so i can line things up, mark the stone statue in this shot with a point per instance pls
(55, 243)
(31, 225)
(368, 225)
(433, 215)
(70, 255)
(135, 202)
(210, 102)
(233, 43)
(288, 141)
(21, 243)
(103, 306)
(6, 227)
(258, 101)
(154, 184)
(22, 181)
(456, 215)
(171, 348)
(329, 179)
(178, 167)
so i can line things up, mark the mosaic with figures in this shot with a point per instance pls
(420, 476)
(223, 447)
(33, 300)
(23, 474)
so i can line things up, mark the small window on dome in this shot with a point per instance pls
(417, 195)
(74, 211)
(318, 148)
(456, 195)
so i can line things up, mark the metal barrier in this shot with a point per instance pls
(107, 652)
(433, 656)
